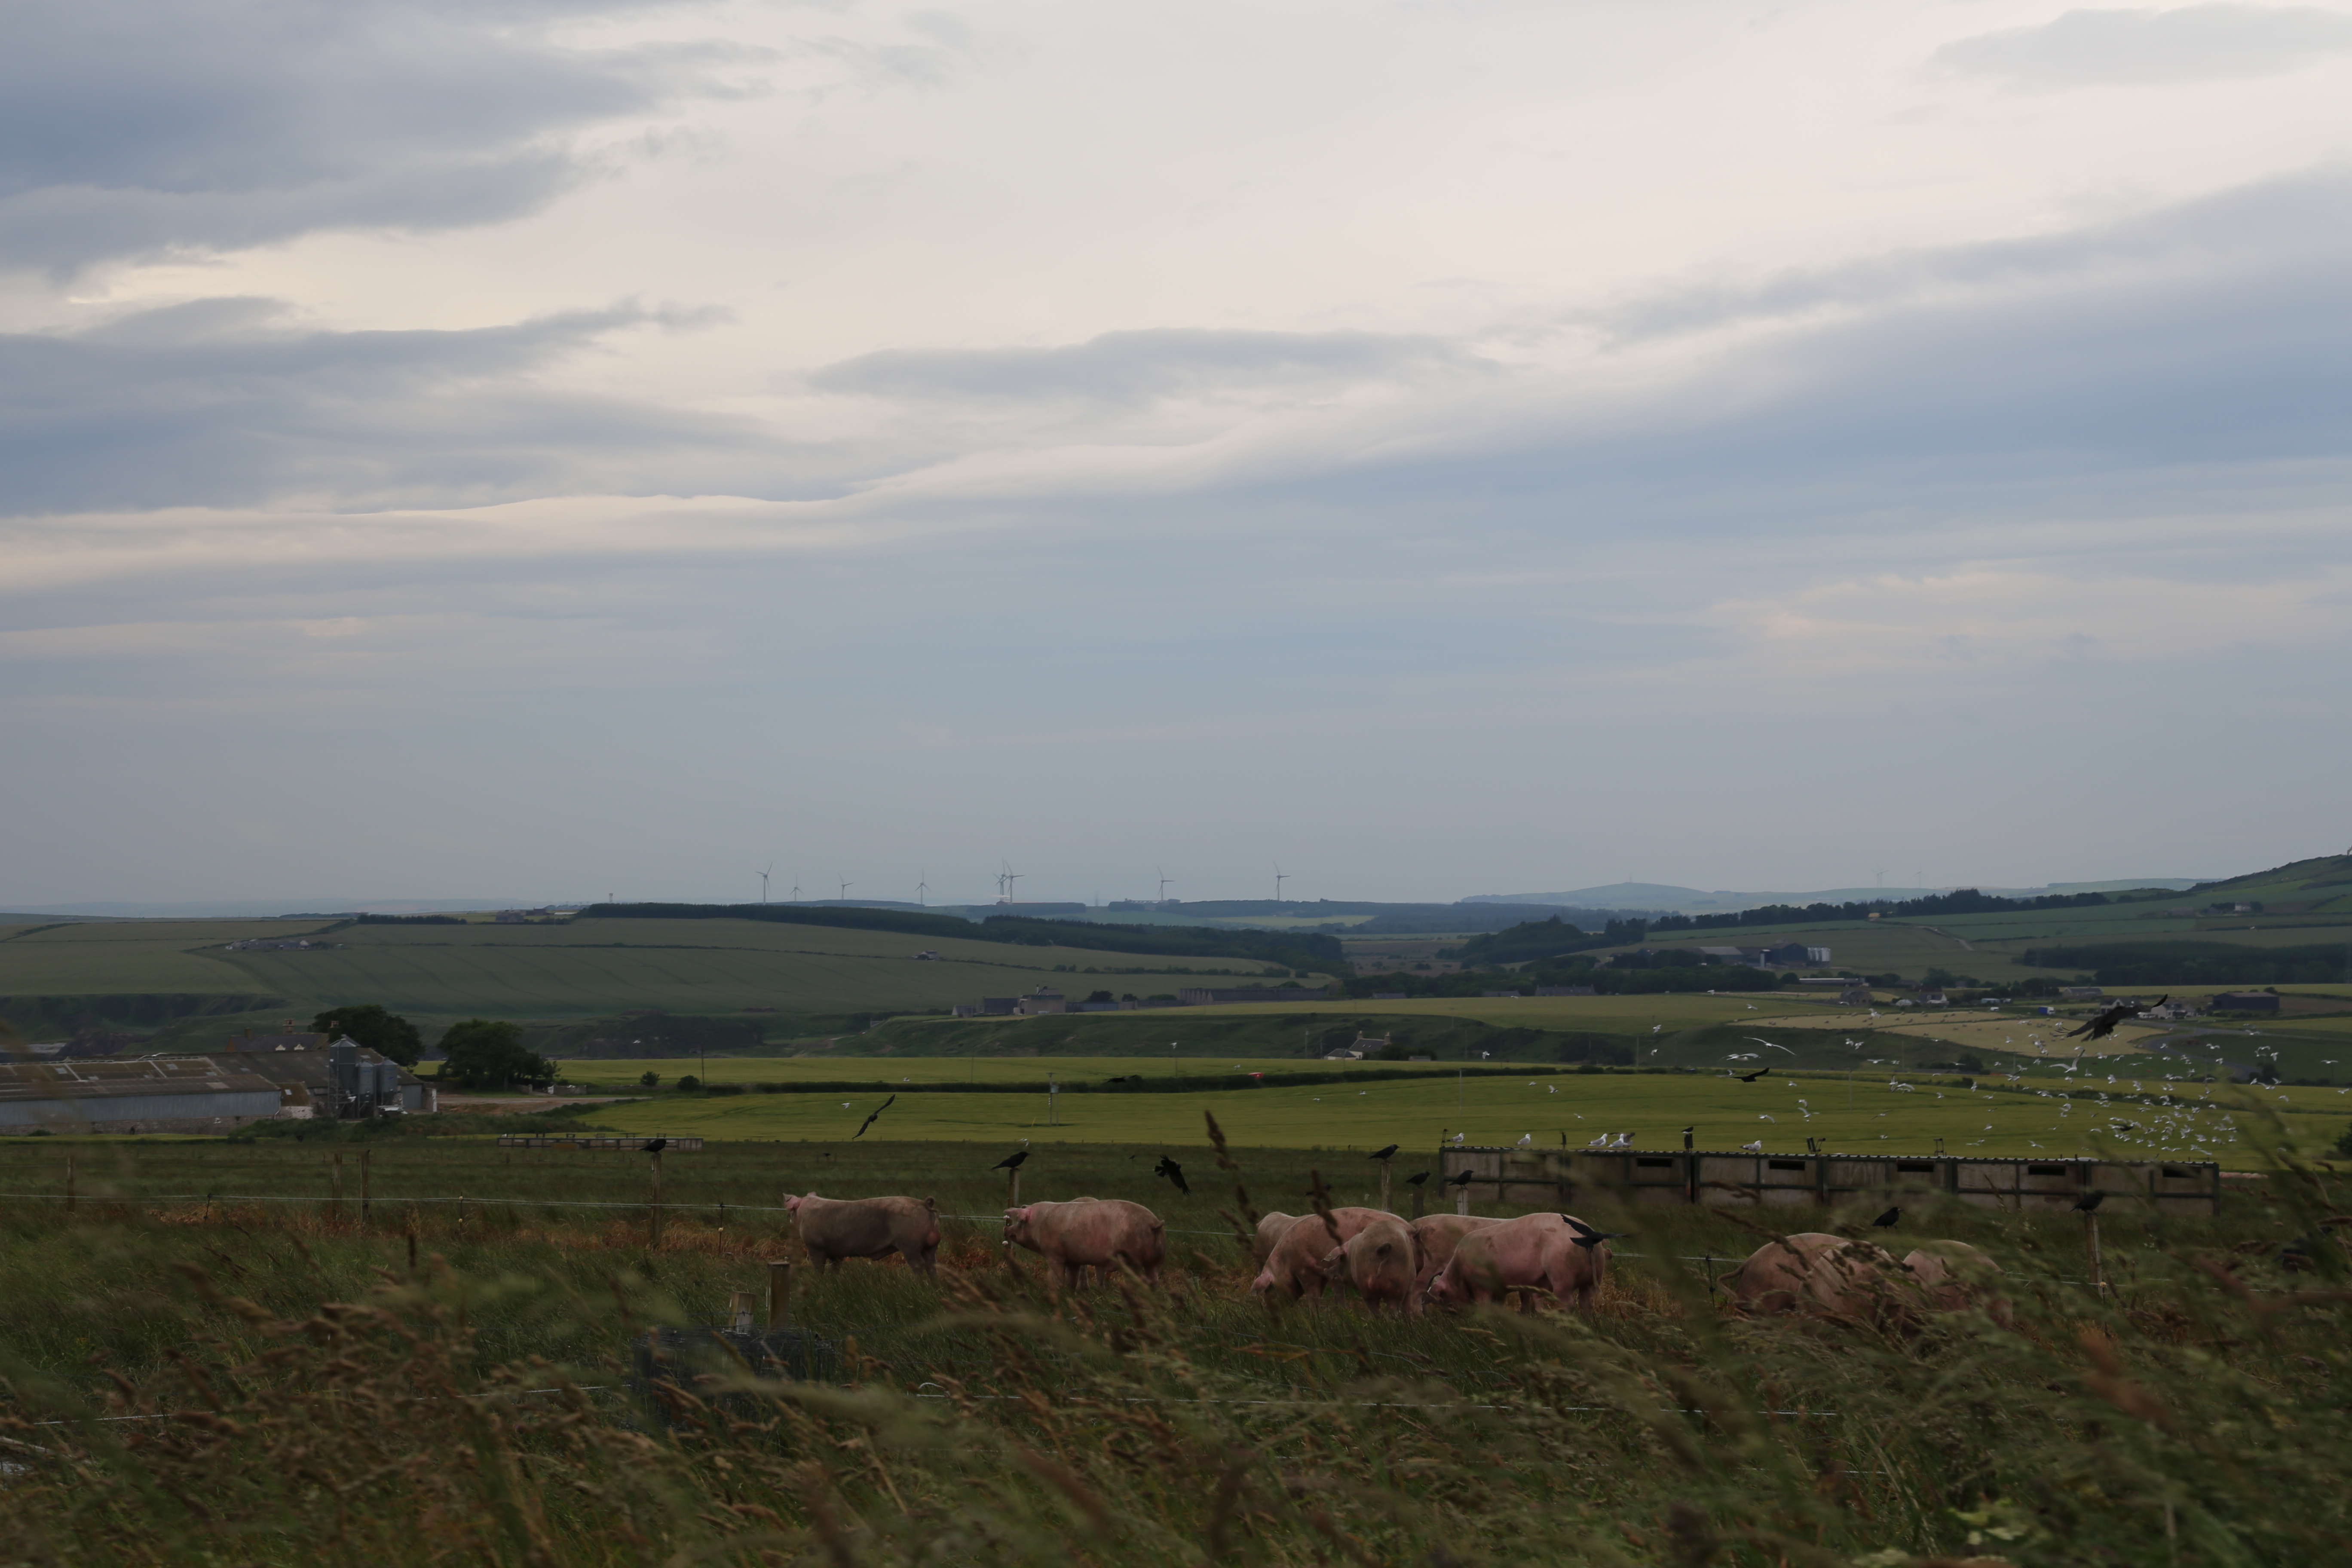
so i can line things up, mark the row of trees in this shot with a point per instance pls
(481, 1053)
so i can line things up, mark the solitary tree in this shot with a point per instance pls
(372, 1026)
(484, 1054)
(649, 1079)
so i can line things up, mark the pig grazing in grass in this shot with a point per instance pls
(1956, 1277)
(1814, 1272)
(1535, 1250)
(1438, 1235)
(1382, 1262)
(1090, 1232)
(1294, 1267)
(834, 1228)
(1269, 1231)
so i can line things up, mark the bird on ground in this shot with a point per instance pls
(1755, 1148)
(1463, 1180)
(871, 1120)
(1624, 1140)
(2088, 1202)
(1751, 1076)
(2104, 1025)
(1011, 1161)
(1586, 1237)
(1527, 1140)
(656, 1146)
(1416, 1178)
(1599, 1143)
(1386, 1154)
(1889, 1217)
(1173, 1172)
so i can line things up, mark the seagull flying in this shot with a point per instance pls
(1769, 1044)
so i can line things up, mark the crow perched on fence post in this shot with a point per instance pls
(1011, 1161)
(1389, 1152)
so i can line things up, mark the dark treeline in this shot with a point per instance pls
(2197, 962)
(1960, 901)
(1667, 974)
(1193, 1083)
(1297, 951)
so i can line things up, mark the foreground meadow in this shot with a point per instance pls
(193, 1381)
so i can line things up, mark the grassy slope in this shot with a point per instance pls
(585, 970)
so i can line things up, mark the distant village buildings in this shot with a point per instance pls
(342, 1081)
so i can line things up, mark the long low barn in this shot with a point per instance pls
(153, 1094)
(1730, 1179)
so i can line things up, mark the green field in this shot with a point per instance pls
(591, 969)
(1845, 1114)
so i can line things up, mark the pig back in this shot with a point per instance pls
(867, 1228)
(1438, 1235)
(1094, 1231)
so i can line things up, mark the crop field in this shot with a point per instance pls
(1844, 1113)
(194, 1380)
(570, 971)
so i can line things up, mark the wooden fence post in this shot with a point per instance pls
(366, 1193)
(739, 1311)
(780, 1295)
(335, 1188)
(1384, 1188)
(655, 1216)
(2098, 1273)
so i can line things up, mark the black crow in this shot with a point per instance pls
(1586, 1237)
(870, 1121)
(2088, 1202)
(1011, 1161)
(1416, 1178)
(1173, 1172)
(1464, 1179)
(2104, 1025)
(1752, 1078)
(656, 1146)
(1891, 1216)
(1388, 1153)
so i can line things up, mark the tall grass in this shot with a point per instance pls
(243, 1383)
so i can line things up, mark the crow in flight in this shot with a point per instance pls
(1173, 1172)
(1011, 1161)
(2101, 1026)
(870, 1121)
(1383, 1154)
(2088, 1202)
(1586, 1237)
(1889, 1217)
(1416, 1178)
(1752, 1077)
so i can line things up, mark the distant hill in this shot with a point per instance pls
(1661, 898)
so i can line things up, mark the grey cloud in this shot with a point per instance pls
(146, 125)
(2230, 228)
(2122, 49)
(1141, 366)
(220, 402)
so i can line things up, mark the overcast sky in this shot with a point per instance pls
(539, 448)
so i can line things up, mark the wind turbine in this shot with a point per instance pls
(763, 882)
(1010, 877)
(922, 890)
(1163, 882)
(846, 885)
(796, 889)
(1278, 880)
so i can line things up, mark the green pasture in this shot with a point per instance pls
(1844, 1113)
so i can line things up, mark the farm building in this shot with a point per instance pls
(152, 1094)
(1206, 996)
(338, 1082)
